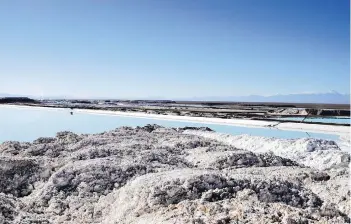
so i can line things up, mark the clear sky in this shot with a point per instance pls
(173, 49)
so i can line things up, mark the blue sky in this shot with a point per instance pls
(174, 49)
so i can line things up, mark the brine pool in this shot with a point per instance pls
(337, 120)
(28, 124)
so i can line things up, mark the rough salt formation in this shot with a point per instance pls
(153, 174)
(316, 153)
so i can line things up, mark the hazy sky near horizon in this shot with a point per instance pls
(173, 49)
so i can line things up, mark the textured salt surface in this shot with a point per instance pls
(316, 153)
(153, 174)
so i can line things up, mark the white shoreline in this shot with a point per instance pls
(303, 127)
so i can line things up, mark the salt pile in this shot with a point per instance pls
(153, 174)
(317, 153)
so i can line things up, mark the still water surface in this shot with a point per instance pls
(323, 120)
(19, 124)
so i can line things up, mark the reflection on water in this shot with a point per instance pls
(28, 124)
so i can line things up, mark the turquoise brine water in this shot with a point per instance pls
(323, 120)
(22, 124)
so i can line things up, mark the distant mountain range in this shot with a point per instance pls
(35, 97)
(331, 97)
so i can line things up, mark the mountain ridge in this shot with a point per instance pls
(328, 97)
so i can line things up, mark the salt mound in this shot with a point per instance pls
(154, 174)
(317, 153)
(154, 193)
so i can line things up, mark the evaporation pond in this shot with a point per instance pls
(28, 124)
